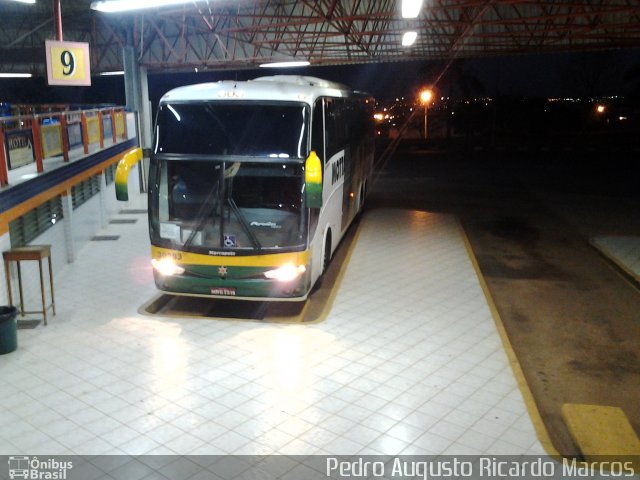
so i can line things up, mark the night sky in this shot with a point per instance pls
(575, 74)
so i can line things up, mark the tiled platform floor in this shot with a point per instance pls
(408, 361)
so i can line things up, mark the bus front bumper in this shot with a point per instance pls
(242, 283)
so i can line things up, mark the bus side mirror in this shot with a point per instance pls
(122, 172)
(313, 180)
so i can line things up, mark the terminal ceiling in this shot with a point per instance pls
(225, 34)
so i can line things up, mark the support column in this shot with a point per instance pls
(67, 213)
(132, 90)
(4, 170)
(103, 201)
(137, 96)
(5, 244)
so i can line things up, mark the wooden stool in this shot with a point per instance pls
(31, 252)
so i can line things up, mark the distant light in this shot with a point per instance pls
(426, 96)
(409, 38)
(291, 64)
(411, 8)
(25, 1)
(378, 116)
(622, 118)
(15, 75)
(115, 72)
(113, 6)
(600, 108)
(196, 69)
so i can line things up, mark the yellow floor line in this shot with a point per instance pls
(602, 431)
(532, 408)
(611, 257)
(328, 302)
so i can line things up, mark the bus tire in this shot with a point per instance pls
(326, 254)
(363, 194)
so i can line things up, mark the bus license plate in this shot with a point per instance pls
(229, 291)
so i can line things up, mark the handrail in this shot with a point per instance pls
(57, 114)
(28, 139)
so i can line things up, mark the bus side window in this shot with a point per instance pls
(336, 125)
(317, 130)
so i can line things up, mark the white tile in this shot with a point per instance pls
(230, 442)
(408, 362)
(184, 443)
(388, 445)
(139, 445)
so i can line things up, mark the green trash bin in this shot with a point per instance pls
(8, 329)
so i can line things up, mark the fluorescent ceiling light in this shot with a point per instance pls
(411, 8)
(25, 1)
(409, 38)
(285, 64)
(112, 6)
(116, 72)
(15, 75)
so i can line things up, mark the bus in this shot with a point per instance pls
(253, 184)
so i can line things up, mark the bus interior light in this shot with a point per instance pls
(286, 273)
(166, 266)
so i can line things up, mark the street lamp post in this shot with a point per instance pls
(425, 98)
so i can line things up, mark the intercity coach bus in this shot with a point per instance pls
(253, 184)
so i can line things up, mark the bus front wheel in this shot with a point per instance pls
(326, 257)
(363, 193)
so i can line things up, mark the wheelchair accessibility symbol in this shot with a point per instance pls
(230, 241)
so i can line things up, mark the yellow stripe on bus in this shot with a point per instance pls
(268, 260)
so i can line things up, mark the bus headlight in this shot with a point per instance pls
(166, 266)
(286, 273)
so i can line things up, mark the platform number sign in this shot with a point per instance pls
(68, 63)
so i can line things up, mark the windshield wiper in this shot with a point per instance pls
(244, 224)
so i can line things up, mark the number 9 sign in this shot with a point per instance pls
(68, 63)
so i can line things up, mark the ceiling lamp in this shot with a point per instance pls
(409, 38)
(291, 64)
(15, 75)
(25, 1)
(411, 8)
(114, 6)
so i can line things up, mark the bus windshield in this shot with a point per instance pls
(237, 128)
(223, 205)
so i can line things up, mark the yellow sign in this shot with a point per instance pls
(119, 124)
(93, 129)
(68, 63)
(51, 140)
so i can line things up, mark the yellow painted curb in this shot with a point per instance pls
(532, 408)
(611, 257)
(602, 431)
